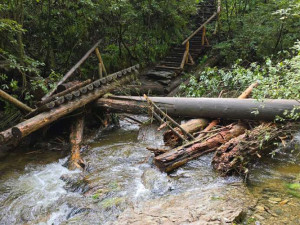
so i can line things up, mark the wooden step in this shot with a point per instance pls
(168, 68)
(170, 64)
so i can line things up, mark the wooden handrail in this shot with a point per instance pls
(185, 55)
(200, 28)
(71, 71)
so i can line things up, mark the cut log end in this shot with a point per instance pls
(16, 132)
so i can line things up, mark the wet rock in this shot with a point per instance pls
(75, 183)
(160, 74)
(153, 180)
(195, 207)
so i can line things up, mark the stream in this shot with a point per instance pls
(121, 186)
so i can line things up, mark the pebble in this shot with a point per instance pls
(275, 199)
(260, 208)
(283, 202)
(259, 217)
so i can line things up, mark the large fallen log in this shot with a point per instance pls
(111, 82)
(191, 127)
(175, 158)
(76, 136)
(228, 108)
(244, 95)
(235, 155)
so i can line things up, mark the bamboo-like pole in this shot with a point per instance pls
(15, 101)
(71, 71)
(101, 61)
(200, 28)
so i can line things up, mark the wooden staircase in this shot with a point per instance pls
(191, 49)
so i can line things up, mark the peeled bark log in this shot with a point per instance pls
(25, 128)
(191, 127)
(234, 156)
(227, 108)
(175, 158)
(244, 95)
(76, 140)
(15, 101)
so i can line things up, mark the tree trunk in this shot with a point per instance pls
(235, 155)
(228, 108)
(76, 136)
(191, 127)
(27, 127)
(175, 158)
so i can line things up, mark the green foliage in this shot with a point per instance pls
(252, 30)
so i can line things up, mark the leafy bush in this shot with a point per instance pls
(278, 80)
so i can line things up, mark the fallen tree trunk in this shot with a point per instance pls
(191, 127)
(175, 158)
(235, 155)
(228, 108)
(15, 101)
(25, 128)
(76, 136)
(244, 95)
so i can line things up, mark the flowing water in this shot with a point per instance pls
(36, 188)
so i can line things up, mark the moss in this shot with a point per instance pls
(112, 202)
(99, 193)
(294, 189)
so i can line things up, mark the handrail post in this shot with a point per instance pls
(185, 55)
(101, 64)
(203, 36)
(187, 49)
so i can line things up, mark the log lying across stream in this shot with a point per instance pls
(229, 108)
(175, 158)
(96, 90)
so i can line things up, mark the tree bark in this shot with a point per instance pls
(191, 127)
(25, 128)
(5, 136)
(175, 158)
(228, 108)
(234, 156)
(76, 137)
(15, 101)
